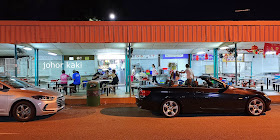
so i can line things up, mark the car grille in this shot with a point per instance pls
(60, 101)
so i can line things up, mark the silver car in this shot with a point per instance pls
(24, 102)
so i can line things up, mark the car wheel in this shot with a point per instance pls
(23, 111)
(170, 108)
(255, 106)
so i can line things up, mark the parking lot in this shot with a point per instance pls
(126, 121)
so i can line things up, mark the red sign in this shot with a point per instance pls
(206, 56)
(197, 57)
(271, 47)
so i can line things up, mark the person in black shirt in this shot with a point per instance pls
(96, 75)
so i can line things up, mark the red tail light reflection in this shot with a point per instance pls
(144, 92)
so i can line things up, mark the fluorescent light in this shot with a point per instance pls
(106, 57)
(50, 53)
(270, 52)
(27, 48)
(223, 48)
(200, 52)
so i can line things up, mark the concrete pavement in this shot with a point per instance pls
(126, 121)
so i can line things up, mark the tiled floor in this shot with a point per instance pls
(121, 93)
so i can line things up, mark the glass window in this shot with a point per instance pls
(15, 83)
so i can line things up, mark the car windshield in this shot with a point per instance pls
(210, 82)
(16, 83)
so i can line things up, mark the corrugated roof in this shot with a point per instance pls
(138, 31)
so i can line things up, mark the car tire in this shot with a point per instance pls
(255, 106)
(170, 108)
(23, 111)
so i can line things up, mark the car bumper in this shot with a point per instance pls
(146, 104)
(268, 102)
(268, 106)
(50, 107)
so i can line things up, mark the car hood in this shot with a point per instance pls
(245, 91)
(41, 91)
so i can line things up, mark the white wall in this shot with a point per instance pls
(260, 65)
(265, 65)
(198, 67)
(146, 64)
(181, 63)
(85, 67)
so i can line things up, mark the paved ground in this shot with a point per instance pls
(129, 122)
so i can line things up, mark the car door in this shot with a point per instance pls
(3, 98)
(215, 99)
(185, 96)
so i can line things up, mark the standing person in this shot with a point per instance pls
(64, 79)
(189, 73)
(154, 73)
(133, 72)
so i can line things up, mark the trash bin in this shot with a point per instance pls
(93, 94)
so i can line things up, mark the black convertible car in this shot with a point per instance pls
(211, 95)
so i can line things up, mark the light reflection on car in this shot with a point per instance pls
(24, 101)
(211, 96)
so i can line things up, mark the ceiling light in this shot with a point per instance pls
(112, 16)
(50, 53)
(27, 48)
(223, 48)
(200, 52)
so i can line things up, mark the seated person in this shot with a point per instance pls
(77, 80)
(64, 79)
(96, 75)
(105, 75)
(115, 79)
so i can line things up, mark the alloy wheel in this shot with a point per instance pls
(170, 108)
(256, 106)
(23, 111)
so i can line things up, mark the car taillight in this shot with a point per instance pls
(144, 92)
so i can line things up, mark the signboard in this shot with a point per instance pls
(153, 56)
(231, 58)
(201, 57)
(272, 47)
(175, 56)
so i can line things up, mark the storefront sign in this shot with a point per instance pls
(175, 56)
(271, 47)
(231, 58)
(72, 65)
(202, 57)
(152, 56)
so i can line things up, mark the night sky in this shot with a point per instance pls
(137, 10)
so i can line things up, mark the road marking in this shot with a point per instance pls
(8, 133)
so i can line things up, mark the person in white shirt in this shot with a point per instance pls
(133, 72)
(154, 73)
(189, 73)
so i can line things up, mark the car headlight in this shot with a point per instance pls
(43, 98)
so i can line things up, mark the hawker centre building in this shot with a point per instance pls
(242, 53)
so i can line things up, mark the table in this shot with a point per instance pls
(267, 79)
(248, 79)
(142, 82)
(54, 81)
